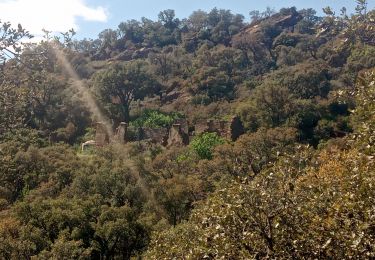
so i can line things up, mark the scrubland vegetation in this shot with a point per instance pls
(299, 183)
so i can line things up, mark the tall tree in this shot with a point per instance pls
(122, 83)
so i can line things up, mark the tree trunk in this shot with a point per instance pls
(126, 113)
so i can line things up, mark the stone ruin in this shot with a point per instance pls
(121, 133)
(179, 134)
(156, 135)
(101, 135)
(230, 130)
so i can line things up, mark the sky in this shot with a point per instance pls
(90, 17)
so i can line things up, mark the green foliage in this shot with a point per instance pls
(269, 106)
(12, 107)
(201, 100)
(256, 15)
(10, 42)
(289, 75)
(119, 85)
(24, 168)
(203, 145)
(361, 57)
(41, 98)
(305, 80)
(155, 119)
(307, 24)
(282, 213)
(363, 119)
(251, 153)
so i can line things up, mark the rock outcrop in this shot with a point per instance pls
(283, 21)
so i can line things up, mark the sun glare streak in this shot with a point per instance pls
(85, 94)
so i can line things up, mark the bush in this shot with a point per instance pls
(204, 144)
(155, 119)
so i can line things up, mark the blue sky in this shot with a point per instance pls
(90, 17)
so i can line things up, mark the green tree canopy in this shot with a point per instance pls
(119, 85)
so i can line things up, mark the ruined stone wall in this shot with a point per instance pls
(132, 134)
(121, 133)
(157, 135)
(184, 125)
(201, 126)
(222, 128)
(101, 135)
(177, 135)
(227, 129)
(126, 133)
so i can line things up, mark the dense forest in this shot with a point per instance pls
(297, 182)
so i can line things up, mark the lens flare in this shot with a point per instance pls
(85, 94)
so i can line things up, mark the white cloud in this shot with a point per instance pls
(52, 15)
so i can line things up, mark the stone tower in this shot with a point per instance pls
(101, 136)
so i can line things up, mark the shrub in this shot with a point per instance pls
(203, 145)
(155, 119)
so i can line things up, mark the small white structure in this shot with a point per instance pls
(88, 143)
